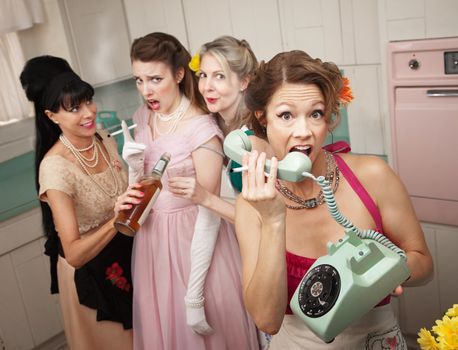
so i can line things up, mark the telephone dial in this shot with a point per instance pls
(359, 270)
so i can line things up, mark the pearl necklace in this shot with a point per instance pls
(331, 169)
(174, 117)
(77, 152)
(83, 161)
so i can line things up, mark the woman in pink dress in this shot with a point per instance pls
(173, 120)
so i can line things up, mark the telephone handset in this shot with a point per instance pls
(290, 168)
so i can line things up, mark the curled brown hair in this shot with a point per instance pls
(162, 47)
(295, 67)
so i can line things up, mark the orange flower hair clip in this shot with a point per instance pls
(194, 64)
(345, 94)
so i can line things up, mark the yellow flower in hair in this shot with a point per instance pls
(345, 94)
(194, 64)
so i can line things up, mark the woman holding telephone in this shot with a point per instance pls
(294, 102)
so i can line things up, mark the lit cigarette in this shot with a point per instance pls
(244, 168)
(120, 130)
(239, 170)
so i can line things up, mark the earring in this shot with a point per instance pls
(332, 136)
(55, 121)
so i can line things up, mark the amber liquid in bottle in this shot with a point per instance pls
(129, 221)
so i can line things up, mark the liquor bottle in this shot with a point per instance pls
(129, 221)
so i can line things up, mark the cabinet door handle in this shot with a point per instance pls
(442, 93)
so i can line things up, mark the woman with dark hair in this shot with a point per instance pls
(283, 227)
(78, 177)
(172, 279)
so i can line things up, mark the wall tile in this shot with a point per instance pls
(406, 29)
(365, 28)
(257, 21)
(202, 30)
(147, 16)
(441, 18)
(347, 13)
(364, 122)
(403, 9)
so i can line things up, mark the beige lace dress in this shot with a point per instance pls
(103, 285)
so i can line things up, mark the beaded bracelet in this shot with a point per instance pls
(195, 303)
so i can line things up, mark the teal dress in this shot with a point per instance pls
(236, 178)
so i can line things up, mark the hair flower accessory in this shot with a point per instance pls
(345, 94)
(446, 331)
(194, 64)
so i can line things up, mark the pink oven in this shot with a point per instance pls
(423, 83)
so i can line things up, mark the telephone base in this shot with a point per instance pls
(344, 285)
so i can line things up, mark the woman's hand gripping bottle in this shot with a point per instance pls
(129, 221)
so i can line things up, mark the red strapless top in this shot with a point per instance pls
(297, 266)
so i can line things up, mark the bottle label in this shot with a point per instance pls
(147, 210)
(160, 166)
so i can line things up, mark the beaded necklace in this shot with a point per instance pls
(85, 162)
(332, 171)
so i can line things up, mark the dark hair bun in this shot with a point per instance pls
(38, 72)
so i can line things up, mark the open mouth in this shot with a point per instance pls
(211, 100)
(303, 149)
(154, 105)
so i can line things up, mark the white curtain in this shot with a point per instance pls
(13, 103)
(14, 15)
(19, 14)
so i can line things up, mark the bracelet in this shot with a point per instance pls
(195, 303)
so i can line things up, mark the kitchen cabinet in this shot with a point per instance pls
(436, 297)
(256, 21)
(148, 16)
(344, 32)
(98, 39)
(195, 22)
(29, 314)
(418, 19)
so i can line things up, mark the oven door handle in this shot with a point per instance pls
(442, 93)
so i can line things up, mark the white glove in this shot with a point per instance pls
(202, 247)
(133, 154)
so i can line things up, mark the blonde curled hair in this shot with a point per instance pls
(237, 57)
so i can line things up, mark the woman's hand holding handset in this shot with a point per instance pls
(258, 191)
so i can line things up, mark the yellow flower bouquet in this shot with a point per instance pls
(445, 330)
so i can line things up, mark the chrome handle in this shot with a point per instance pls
(414, 64)
(442, 93)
